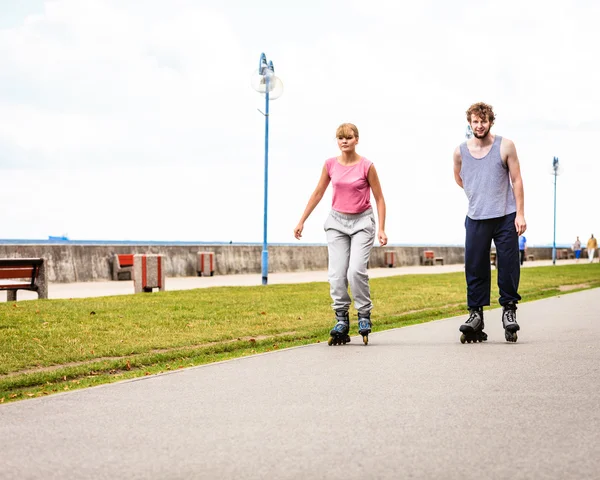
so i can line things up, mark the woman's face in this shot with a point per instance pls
(347, 143)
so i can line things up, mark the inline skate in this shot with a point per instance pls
(509, 322)
(472, 329)
(364, 326)
(339, 332)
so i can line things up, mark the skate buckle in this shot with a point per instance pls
(341, 327)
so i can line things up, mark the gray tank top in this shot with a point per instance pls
(486, 182)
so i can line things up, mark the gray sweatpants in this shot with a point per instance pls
(350, 239)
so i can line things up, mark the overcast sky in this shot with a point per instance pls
(135, 119)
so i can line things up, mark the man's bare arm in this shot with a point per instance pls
(457, 167)
(509, 152)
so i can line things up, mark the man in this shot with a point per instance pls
(592, 245)
(487, 168)
(577, 250)
(522, 247)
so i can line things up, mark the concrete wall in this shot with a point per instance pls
(540, 253)
(87, 263)
(407, 256)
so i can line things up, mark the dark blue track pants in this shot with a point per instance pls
(480, 234)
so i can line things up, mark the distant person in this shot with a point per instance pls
(487, 167)
(592, 245)
(577, 249)
(350, 229)
(522, 247)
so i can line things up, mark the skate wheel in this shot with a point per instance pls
(463, 339)
(330, 341)
(366, 339)
(511, 337)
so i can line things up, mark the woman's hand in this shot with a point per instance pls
(382, 238)
(298, 230)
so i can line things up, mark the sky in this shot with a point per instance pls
(136, 120)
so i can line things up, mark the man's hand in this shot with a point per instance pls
(520, 224)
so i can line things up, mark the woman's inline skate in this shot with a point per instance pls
(364, 326)
(339, 332)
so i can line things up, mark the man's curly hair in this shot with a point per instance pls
(482, 110)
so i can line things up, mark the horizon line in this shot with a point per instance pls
(67, 241)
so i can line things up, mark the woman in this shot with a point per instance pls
(350, 229)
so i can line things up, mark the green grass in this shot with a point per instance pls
(48, 346)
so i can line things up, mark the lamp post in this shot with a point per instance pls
(555, 173)
(265, 82)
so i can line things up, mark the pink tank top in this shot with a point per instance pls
(351, 189)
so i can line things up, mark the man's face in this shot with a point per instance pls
(480, 126)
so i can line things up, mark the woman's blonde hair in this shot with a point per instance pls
(346, 130)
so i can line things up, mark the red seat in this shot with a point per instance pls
(126, 260)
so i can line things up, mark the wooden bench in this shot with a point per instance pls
(493, 258)
(30, 271)
(530, 258)
(122, 267)
(429, 258)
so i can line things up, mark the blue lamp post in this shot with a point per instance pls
(267, 83)
(555, 173)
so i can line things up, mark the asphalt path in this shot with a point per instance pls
(415, 403)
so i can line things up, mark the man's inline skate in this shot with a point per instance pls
(339, 332)
(472, 329)
(509, 322)
(364, 326)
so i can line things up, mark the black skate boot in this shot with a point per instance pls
(339, 332)
(364, 326)
(472, 329)
(509, 322)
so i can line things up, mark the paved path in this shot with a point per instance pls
(415, 403)
(99, 289)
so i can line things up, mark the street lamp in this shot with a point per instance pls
(555, 170)
(265, 82)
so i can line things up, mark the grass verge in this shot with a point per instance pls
(49, 346)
